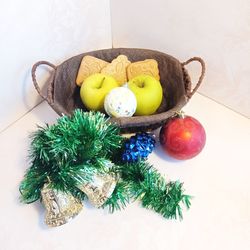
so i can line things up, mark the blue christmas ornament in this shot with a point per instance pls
(138, 147)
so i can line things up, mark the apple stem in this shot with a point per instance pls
(101, 83)
(102, 80)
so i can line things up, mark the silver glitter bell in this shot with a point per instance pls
(100, 189)
(60, 207)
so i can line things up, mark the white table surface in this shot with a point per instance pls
(218, 178)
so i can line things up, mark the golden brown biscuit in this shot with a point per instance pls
(146, 67)
(89, 65)
(117, 69)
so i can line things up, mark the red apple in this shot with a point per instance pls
(182, 137)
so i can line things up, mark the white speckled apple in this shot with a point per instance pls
(120, 102)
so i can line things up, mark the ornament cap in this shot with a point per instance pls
(180, 114)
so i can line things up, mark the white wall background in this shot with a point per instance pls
(216, 30)
(50, 30)
(53, 30)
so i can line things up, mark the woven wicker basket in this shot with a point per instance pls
(63, 95)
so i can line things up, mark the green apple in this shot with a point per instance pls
(148, 92)
(95, 88)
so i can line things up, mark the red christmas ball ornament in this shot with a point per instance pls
(182, 137)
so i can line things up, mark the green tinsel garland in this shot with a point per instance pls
(70, 152)
(141, 181)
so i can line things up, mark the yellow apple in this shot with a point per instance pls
(148, 93)
(95, 88)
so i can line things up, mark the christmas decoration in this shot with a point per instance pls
(141, 181)
(69, 154)
(100, 189)
(60, 207)
(182, 137)
(79, 157)
(138, 147)
(120, 102)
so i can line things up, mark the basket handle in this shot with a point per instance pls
(49, 97)
(203, 69)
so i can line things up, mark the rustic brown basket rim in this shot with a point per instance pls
(152, 121)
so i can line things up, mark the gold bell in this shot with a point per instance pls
(60, 207)
(100, 189)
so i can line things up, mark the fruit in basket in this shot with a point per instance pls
(148, 92)
(120, 102)
(182, 137)
(94, 90)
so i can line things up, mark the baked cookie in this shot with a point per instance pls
(89, 65)
(117, 69)
(146, 67)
